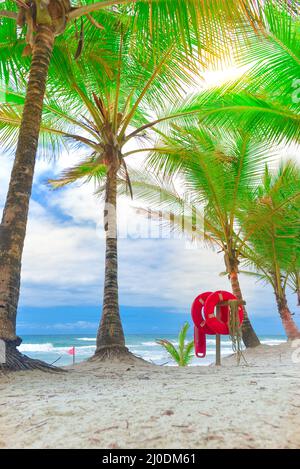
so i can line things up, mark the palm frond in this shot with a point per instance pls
(90, 169)
(170, 348)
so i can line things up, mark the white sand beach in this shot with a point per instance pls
(139, 405)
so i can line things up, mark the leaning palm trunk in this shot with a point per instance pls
(15, 214)
(110, 337)
(288, 322)
(250, 338)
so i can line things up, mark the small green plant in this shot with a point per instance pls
(184, 354)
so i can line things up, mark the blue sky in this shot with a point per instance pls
(62, 279)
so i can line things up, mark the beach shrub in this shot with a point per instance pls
(184, 353)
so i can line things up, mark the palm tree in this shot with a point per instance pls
(274, 245)
(43, 21)
(217, 174)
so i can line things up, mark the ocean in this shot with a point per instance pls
(54, 348)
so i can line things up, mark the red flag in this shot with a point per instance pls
(71, 351)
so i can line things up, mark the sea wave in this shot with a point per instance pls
(273, 341)
(212, 341)
(36, 347)
(148, 349)
(87, 339)
(149, 344)
(48, 347)
(85, 347)
(174, 342)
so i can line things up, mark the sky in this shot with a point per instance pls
(62, 276)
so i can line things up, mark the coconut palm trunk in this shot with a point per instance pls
(15, 214)
(250, 338)
(288, 322)
(110, 337)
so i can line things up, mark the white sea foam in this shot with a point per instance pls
(174, 342)
(87, 339)
(36, 347)
(273, 341)
(48, 347)
(85, 347)
(85, 350)
(149, 344)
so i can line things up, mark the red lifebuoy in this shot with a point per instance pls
(200, 329)
(220, 326)
(197, 308)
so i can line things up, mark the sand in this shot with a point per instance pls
(138, 405)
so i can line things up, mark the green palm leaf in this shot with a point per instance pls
(183, 355)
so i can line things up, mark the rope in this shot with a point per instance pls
(235, 331)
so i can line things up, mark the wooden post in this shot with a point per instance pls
(218, 342)
(226, 303)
